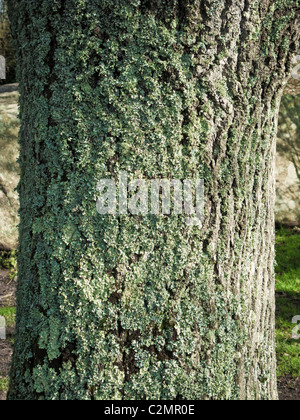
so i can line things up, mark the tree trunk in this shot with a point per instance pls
(131, 307)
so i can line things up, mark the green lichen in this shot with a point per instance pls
(108, 87)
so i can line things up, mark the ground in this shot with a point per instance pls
(288, 306)
(289, 388)
(9, 170)
(7, 309)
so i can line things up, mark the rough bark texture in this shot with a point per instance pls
(126, 307)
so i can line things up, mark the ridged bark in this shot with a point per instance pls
(127, 307)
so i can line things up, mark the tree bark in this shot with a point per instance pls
(127, 307)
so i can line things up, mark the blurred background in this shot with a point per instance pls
(287, 220)
(6, 45)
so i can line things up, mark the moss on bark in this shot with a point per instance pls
(122, 307)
